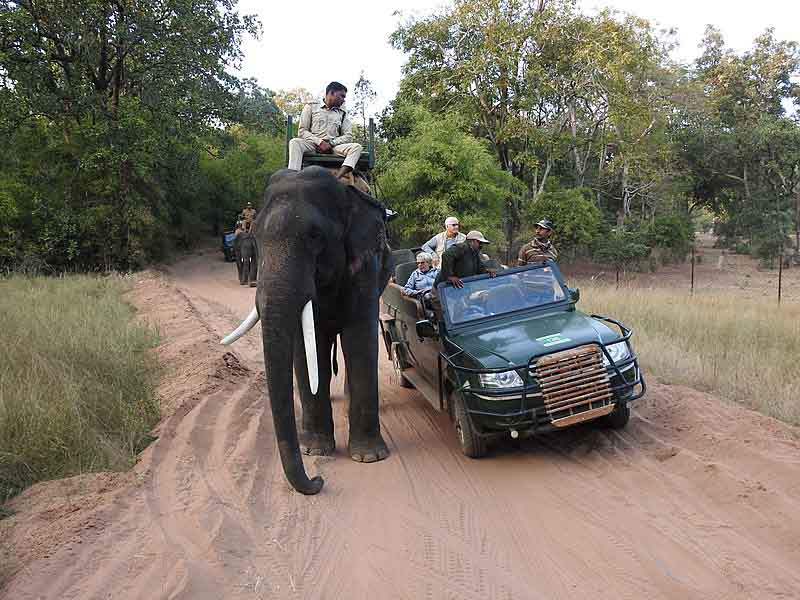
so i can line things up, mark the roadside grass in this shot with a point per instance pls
(742, 350)
(76, 381)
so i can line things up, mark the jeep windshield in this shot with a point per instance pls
(506, 293)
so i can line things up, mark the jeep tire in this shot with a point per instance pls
(619, 417)
(399, 364)
(471, 443)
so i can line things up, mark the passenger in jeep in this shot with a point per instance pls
(421, 280)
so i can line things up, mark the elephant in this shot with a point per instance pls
(245, 250)
(324, 264)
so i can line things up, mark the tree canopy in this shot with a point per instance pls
(567, 100)
(107, 108)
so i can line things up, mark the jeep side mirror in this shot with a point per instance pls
(574, 295)
(425, 329)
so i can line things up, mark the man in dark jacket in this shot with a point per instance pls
(463, 260)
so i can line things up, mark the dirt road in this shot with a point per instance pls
(695, 499)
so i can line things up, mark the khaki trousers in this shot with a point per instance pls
(299, 146)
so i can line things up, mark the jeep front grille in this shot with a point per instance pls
(574, 384)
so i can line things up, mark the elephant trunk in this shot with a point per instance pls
(280, 321)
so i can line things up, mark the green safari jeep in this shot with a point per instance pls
(511, 355)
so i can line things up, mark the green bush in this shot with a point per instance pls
(671, 233)
(622, 249)
(438, 170)
(76, 381)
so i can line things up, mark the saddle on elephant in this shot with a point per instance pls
(353, 178)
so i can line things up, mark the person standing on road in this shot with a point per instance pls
(463, 260)
(326, 128)
(540, 248)
(438, 244)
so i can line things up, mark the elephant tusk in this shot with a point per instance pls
(310, 342)
(246, 326)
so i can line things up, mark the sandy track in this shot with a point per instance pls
(695, 499)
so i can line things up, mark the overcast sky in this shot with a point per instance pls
(344, 38)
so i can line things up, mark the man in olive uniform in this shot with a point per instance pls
(248, 216)
(463, 260)
(540, 248)
(326, 128)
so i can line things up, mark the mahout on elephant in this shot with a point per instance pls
(245, 250)
(324, 264)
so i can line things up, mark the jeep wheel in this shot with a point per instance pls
(397, 363)
(404, 383)
(472, 444)
(619, 418)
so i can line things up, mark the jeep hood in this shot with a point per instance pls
(513, 341)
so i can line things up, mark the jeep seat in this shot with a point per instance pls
(402, 256)
(403, 271)
(330, 161)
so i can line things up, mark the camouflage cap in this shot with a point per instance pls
(545, 224)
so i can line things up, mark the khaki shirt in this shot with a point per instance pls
(536, 251)
(437, 245)
(318, 122)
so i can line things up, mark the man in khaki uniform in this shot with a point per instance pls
(248, 216)
(326, 129)
(540, 248)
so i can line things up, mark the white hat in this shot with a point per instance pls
(450, 221)
(477, 235)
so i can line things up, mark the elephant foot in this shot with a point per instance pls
(369, 450)
(253, 284)
(242, 283)
(315, 444)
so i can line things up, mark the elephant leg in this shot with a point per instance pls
(360, 347)
(316, 435)
(246, 272)
(253, 271)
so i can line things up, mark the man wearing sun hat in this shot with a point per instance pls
(540, 248)
(463, 260)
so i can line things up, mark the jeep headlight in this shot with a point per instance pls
(506, 379)
(618, 352)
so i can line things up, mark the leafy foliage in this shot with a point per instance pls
(438, 170)
(621, 249)
(566, 99)
(107, 108)
(554, 92)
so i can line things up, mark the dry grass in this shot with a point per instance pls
(76, 382)
(743, 350)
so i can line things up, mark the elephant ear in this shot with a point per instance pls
(365, 236)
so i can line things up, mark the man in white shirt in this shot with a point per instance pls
(437, 245)
(326, 128)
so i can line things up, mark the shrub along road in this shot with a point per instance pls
(695, 499)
